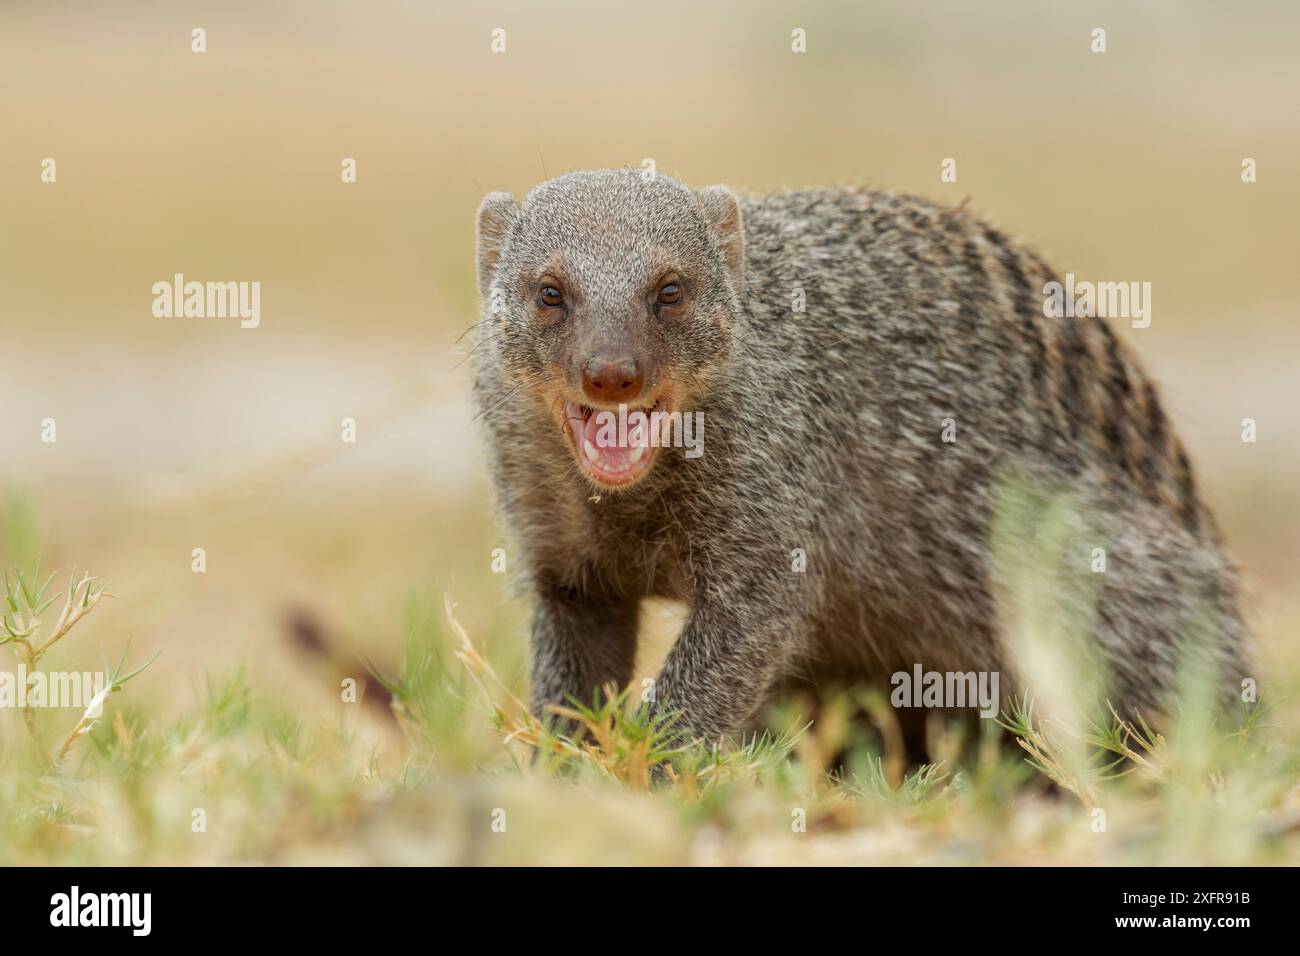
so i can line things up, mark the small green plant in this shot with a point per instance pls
(1110, 746)
(873, 782)
(115, 682)
(26, 601)
(621, 741)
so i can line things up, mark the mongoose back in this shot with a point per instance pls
(869, 369)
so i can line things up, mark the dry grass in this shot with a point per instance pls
(459, 784)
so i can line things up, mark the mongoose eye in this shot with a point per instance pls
(552, 296)
(670, 294)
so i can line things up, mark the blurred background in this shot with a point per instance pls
(175, 434)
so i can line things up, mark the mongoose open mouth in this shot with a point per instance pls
(616, 447)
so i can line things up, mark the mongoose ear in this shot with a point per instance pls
(722, 214)
(495, 217)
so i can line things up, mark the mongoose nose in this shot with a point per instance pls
(616, 381)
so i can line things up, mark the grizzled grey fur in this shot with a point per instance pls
(823, 432)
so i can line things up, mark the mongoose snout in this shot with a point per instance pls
(906, 454)
(618, 380)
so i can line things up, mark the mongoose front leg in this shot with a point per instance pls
(581, 641)
(723, 665)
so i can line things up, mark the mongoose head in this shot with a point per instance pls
(608, 289)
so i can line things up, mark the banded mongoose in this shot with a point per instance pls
(824, 420)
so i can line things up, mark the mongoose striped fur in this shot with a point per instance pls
(831, 530)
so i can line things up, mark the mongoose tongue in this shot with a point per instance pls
(615, 442)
